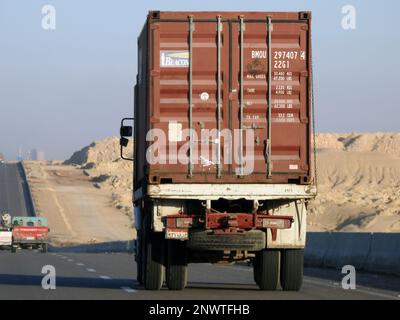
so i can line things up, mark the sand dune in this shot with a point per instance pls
(101, 161)
(359, 183)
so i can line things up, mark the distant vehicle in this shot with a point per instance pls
(30, 233)
(2, 159)
(5, 231)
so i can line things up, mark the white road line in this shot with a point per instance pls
(359, 288)
(378, 294)
(128, 289)
(90, 270)
(70, 260)
(105, 277)
(80, 264)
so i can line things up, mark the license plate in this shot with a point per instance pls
(30, 238)
(176, 234)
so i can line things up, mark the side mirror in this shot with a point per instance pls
(123, 142)
(125, 131)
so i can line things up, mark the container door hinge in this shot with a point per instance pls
(303, 120)
(304, 73)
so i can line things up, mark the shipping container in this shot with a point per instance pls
(233, 72)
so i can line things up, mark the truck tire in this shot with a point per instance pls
(267, 269)
(153, 256)
(176, 265)
(253, 240)
(13, 249)
(45, 248)
(292, 269)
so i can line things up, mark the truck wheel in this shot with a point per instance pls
(292, 269)
(153, 265)
(176, 265)
(44, 248)
(267, 269)
(13, 249)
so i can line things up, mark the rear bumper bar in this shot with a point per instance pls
(225, 224)
(30, 241)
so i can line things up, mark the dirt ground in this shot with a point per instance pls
(79, 212)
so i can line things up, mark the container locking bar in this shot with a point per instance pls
(191, 28)
(268, 144)
(242, 28)
(219, 29)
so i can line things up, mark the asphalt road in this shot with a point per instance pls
(112, 276)
(13, 191)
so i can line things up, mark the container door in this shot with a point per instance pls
(190, 84)
(271, 78)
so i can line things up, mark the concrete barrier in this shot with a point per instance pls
(27, 188)
(317, 245)
(385, 253)
(348, 248)
(106, 247)
(372, 252)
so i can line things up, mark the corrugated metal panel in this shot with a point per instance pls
(188, 62)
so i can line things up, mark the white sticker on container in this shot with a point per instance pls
(174, 59)
(293, 167)
(174, 131)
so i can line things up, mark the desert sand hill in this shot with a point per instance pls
(102, 163)
(358, 180)
(359, 183)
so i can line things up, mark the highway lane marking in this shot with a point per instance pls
(105, 277)
(70, 260)
(361, 289)
(128, 289)
(377, 294)
(80, 264)
(90, 270)
(331, 284)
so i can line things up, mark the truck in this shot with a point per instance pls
(2, 158)
(30, 233)
(224, 156)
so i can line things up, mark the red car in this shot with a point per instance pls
(30, 233)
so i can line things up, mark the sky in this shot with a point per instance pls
(62, 89)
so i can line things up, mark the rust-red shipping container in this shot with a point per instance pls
(227, 71)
